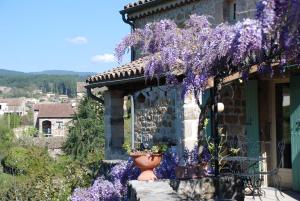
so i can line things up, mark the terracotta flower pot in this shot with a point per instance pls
(146, 163)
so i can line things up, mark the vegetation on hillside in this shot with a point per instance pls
(28, 172)
(23, 84)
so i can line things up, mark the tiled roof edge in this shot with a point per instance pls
(133, 69)
(141, 5)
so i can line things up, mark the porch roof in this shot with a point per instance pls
(133, 69)
(144, 8)
(136, 69)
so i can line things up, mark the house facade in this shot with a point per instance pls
(53, 119)
(261, 110)
(12, 106)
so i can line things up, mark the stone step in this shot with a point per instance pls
(151, 191)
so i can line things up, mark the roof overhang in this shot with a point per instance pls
(144, 8)
(130, 72)
(134, 72)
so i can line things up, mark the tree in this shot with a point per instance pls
(86, 135)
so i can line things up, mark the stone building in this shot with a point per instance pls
(52, 120)
(159, 111)
(13, 106)
(261, 110)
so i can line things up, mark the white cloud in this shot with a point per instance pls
(103, 58)
(78, 40)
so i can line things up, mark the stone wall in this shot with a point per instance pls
(234, 116)
(156, 112)
(216, 9)
(161, 114)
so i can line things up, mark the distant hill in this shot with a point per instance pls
(55, 81)
(64, 72)
(10, 72)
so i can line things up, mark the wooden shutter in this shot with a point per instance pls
(252, 117)
(295, 130)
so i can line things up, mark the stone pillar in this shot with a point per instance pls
(113, 124)
(191, 113)
(187, 117)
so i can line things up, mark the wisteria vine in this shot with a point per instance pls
(201, 51)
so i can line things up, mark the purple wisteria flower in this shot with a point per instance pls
(166, 169)
(114, 187)
(101, 190)
(201, 50)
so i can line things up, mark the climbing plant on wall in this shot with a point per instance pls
(201, 51)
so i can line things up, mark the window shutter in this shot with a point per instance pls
(295, 130)
(252, 118)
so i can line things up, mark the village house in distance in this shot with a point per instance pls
(13, 106)
(53, 119)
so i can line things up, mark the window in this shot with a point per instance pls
(60, 124)
(46, 126)
(234, 11)
(230, 11)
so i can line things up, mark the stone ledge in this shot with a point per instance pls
(205, 188)
(151, 191)
(230, 188)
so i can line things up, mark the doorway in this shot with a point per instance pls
(283, 131)
(280, 129)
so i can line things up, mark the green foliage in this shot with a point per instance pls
(31, 174)
(23, 84)
(26, 160)
(6, 139)
(30, 132)
(6, 134)
(127, 147)
(46, 186)
(54, 180)
(12, 120)
(159, 148)
(86, 135)
(27, 119)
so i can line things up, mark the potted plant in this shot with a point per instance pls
(146, 159)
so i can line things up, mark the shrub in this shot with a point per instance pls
(26, 160)
(56, 182)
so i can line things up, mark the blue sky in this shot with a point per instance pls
(78, 35)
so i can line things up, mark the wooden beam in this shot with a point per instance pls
(231, 77)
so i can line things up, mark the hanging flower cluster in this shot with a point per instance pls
(200, 50)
